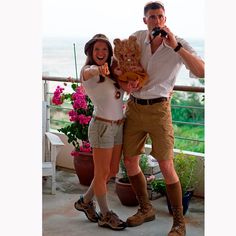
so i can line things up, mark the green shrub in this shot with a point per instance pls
(186, 169)
(159, 186)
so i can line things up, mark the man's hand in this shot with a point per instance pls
(170, 40)
(129, 87)
(136, 68)
(133, 85)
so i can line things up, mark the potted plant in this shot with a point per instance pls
(186, 168)
(158, 186)
(123, 187)
(77, 130)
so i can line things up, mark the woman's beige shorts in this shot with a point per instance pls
(104, 135)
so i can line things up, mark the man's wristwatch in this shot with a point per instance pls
(178, 47)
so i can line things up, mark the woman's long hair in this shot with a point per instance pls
(90, 61)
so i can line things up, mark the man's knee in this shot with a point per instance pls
(168, 171)
(132, 165)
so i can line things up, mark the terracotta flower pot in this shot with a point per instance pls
(84, 168)
(125, 193)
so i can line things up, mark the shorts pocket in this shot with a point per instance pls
(102, 131)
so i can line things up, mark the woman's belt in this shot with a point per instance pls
(118, 122)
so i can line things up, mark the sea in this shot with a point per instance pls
(64, 57)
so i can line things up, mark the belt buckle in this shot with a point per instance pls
(148, 102)
(119, 122)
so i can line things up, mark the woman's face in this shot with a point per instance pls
(100, 53)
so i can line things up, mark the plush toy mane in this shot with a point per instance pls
(127, 53)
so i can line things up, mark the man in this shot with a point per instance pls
(149, 113)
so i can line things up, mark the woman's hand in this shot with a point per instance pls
(104, 70)
(95, 70)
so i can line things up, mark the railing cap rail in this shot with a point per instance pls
(176, 87)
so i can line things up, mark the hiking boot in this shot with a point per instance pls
(178, 228)
(88, 208)
(144, 214)
(111, 220)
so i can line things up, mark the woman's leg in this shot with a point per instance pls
(88, 196)
(102, 167)
(115, 161)
(114, 169)
(102, 158)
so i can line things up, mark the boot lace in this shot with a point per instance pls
(112, 218)
(178, 224)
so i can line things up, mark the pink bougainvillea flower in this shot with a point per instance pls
(58, 98)
(73, 115)
(79, 116)
(84, 120)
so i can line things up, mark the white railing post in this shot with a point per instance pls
(47, 110)
(45, 91)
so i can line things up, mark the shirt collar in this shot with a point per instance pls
(147, 39)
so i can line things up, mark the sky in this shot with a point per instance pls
(69, 18)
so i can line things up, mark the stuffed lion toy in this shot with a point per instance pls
(128, 54)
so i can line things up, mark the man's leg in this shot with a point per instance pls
(139, 185)
(174, 193)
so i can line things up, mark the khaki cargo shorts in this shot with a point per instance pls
(153, 120)
(104, 135)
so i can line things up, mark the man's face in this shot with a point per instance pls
(155, 18)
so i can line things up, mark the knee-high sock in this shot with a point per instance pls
(139, 185)
(174, 193)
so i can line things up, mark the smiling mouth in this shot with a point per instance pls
(100, 58)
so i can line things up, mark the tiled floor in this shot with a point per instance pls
(61, 219)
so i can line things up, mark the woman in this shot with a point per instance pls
(105, 130)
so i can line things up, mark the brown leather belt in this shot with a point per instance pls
(148, 101)
(118, 122)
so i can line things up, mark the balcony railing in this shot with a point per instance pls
(188, 118)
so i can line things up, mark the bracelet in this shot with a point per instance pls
(178, 47)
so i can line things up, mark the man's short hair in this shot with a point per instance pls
(153, 6)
